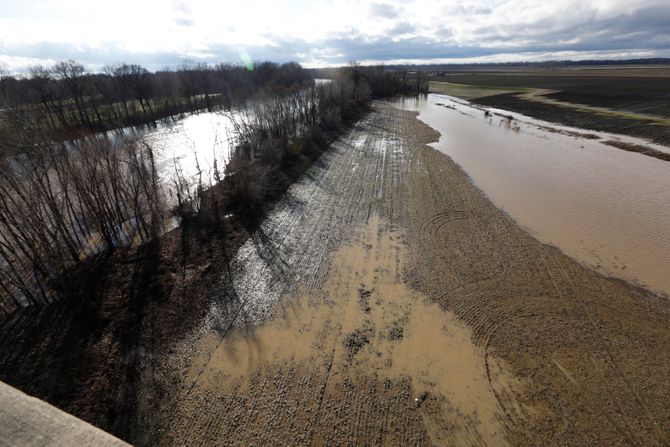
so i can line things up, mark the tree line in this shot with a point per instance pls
(383, 81)
(67, 98)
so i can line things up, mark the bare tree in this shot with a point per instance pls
(134, 82)
(71, 73)
(61, 204)
(4, 78)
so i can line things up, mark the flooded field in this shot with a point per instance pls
(365, 328)
(386, 301)
(565, 185)
(601, 205)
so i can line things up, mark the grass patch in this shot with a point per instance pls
(468, 92)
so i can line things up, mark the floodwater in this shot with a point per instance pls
(603, 206)
(185, 143)
(186, 148)
(365, 322)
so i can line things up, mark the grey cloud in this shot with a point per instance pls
(646, 28)
(481, 11)
(384, 10)
(463, 10)
(183, 22)
(402, 28)
(643, 29)
(182, 13)
(93, 57)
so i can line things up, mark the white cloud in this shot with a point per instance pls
(160, 32)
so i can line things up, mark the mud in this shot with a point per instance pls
(386, 301)
(327, 341)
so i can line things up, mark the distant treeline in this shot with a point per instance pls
(383, 81)
(67, 98)
(427, 68)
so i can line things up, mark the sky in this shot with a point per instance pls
(159, 33)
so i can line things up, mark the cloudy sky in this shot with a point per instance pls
(157, 33)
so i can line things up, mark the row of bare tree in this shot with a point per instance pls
(280, 136)
(383, 82)
(69, 98)
(62, 203)
(273, 127)
(64, 200)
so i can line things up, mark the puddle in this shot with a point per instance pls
(365, 322)
(603, 206)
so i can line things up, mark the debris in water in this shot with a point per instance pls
(419, 400)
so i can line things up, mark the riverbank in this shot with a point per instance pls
(627, 100)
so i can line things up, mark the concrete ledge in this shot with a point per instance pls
(27, 421)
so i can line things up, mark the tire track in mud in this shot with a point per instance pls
(268, 265)
(527, 307)
(302, 232)
(359, 177)
(612, 363)
(492, 276)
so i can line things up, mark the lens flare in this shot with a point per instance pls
(246, 60)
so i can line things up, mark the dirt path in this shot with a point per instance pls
(387, 302)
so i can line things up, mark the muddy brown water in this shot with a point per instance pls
(365, 322)
(604, 207)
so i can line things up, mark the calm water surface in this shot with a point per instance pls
(603, 206)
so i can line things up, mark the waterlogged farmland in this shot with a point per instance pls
(380, 298)
(386, 301)
(335, 223)
(565, 185)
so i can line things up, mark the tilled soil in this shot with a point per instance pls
(386, 301)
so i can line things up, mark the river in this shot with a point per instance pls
(603, 206)
(206, 135)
